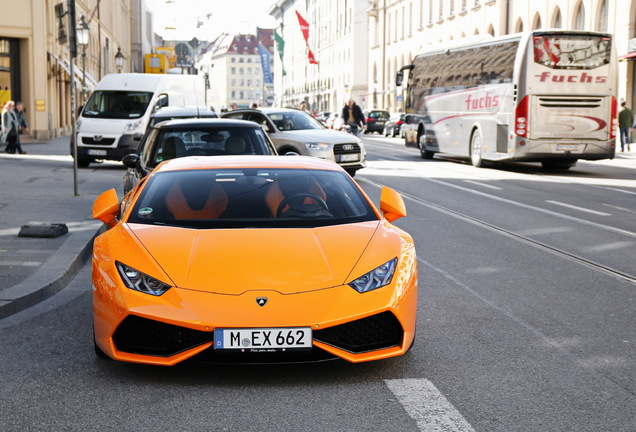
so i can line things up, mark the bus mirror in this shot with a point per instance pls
(399, 77)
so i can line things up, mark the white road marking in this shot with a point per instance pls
(427, 406)
(482, 184)
(21, 263)
(583, 209)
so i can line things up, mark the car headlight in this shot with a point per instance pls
(138, 281)
(317, 146)
(376, 278)
(132, 126)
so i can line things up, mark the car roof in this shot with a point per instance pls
(269, 110)
(168, 111)
(247, 161)
(205, 122)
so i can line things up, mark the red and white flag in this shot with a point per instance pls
(304, 28)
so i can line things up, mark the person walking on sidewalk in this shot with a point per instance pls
(625, 125)
(11, 129)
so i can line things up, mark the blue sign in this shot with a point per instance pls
(265, 64)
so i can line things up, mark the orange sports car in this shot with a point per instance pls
(252, 259)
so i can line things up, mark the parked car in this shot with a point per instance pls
(180, 112)
(375, 120)
(194, 137)
(252, 259)
(323, 116)
(393, 126)
(296, 131)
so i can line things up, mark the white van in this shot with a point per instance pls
(118, 111)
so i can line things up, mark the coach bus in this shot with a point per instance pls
(543, 96)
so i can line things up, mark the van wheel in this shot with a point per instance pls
(351, 171)
(476, 150)
(83, 162)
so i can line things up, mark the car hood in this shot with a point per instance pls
(316, 135)
(232, 261)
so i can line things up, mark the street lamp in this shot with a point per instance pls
(82, 33)
(119, 60)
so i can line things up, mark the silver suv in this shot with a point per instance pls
(296, 131)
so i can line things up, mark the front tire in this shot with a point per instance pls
(351, 171)
(83, 161)
(476, 150)
(426, 154)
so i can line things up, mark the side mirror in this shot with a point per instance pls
(391, 204)
(399, 77)
(130, 160)
(106, 207)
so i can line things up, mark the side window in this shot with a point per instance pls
(238, 116)
(261, 120)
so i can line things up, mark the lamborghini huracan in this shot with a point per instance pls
(243, 259)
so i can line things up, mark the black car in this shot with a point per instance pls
(180, 112)
(375, 120)
(194, 137)
(393, 126)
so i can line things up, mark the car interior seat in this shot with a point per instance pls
(290, 186)
(235, 145)
(196, 197)
(173, 147)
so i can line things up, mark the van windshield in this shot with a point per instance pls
(117, 104)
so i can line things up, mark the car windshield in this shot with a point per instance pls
(294, 120)
(117, 104)
(174, 143)
(251, 198)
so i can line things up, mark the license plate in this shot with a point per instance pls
(567, 147)
(349, 157)
(93, 152)
(263, 339)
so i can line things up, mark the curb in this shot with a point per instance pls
(61, 269)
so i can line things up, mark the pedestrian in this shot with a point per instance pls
(303, 106)
(234, 106)
(625, 125)
(11, 129)
(352, 116)
(254, 105)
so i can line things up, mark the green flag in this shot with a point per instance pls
(280, 45)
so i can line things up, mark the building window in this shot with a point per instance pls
(602, 18)
(579, 23)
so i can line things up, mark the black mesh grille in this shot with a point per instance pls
(367, 334)
(138, 335)
(93, 141)
(346, 148)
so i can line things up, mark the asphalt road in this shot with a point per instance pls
(526, 323)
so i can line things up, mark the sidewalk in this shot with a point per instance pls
(39, 187)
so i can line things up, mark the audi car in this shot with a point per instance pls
(295, 131)
(243, 259)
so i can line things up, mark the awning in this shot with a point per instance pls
(628, 56)
(78, 72)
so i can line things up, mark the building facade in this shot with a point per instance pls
(338, 40)
(35, 56)
(234, 67)
(400, 29)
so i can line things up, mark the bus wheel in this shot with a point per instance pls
(426, 154)
(558, 165)
(476, 150)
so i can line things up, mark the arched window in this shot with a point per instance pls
(491, 30)
(537, 22)
(556, 21)
(579, 19)
(602, 17)
(519, 26)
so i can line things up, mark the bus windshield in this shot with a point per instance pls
(117, 104)
(558, 51)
